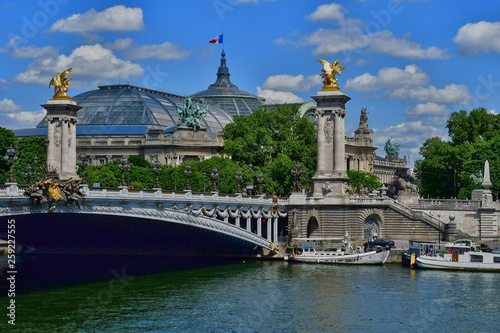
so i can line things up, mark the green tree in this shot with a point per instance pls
(437, 170)
(363, 180)
(278, 136)
(472, 127)
(7, 138)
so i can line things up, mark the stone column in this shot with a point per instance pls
(339, 148)
(275, 225)
(259, 226)
(321, 141)
(269, 231)
(61, 132)
(331, 177)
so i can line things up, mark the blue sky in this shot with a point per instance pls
(410, 63)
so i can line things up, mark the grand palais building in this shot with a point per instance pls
(125, 120)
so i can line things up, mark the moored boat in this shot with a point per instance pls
(460, 255)
(310, 252)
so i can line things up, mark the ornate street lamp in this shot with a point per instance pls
(259, 181)
(157, 170)
(28, 173)
(36, 161)
(11, 158)
(187, 172)
(215, 176)
(175, 172)
(127, 167)
(250, 186)
(83, 163)
(123, 167)
(297, 173)
(204, 175)
(238, 179)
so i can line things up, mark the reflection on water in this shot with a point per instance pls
(268, 297)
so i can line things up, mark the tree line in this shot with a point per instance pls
(447, 165)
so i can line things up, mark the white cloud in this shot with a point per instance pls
(355, 35)
(165, 51)
(88, 62)
(450, 94)
(385, 42)
(8, 105)
(389, 77)
(117, 18)
(427, 109)
(285, 82)
(27, 52)
(29, 118)
(277, 97)
(31, 52)
(482, 36)
(333, 11)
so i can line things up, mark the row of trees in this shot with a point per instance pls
(446, 168)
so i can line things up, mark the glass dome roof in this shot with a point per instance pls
(227, 96)
(125, 104)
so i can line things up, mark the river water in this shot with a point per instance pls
(267, 297)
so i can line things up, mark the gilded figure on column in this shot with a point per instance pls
(61, 83)
(330, 82)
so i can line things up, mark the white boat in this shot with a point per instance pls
(343, 254)
(460, 255)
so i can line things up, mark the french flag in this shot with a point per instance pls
(216, 40)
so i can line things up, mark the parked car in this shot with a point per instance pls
(384, 243)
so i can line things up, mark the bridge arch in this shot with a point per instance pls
(372, 222)
(312, 227)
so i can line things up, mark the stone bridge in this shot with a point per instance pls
(147, 222)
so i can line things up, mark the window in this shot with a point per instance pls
(496, 259)
(476, 258)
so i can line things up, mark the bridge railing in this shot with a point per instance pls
(447, 204)
(18, 191)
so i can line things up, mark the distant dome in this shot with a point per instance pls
(117, 105)
(227, 96)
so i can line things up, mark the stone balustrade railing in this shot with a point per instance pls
(449, 204)
(15, 191)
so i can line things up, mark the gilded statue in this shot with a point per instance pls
(61, 84)
(330, 82)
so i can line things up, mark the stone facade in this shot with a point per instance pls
(184, 143)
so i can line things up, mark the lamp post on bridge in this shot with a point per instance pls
(187, 172)
(297, 173)
(157, 170)
(175, 172)
(123, 166)
(28, 173)
(215, 176)
(83, 163)
(36, 161)
(259, 181)
(204, 176)
(238, 179)
(11, 158)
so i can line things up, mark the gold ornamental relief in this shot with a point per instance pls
(330, 82)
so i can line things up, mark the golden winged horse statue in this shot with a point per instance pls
(328, 74)
(61, 84)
